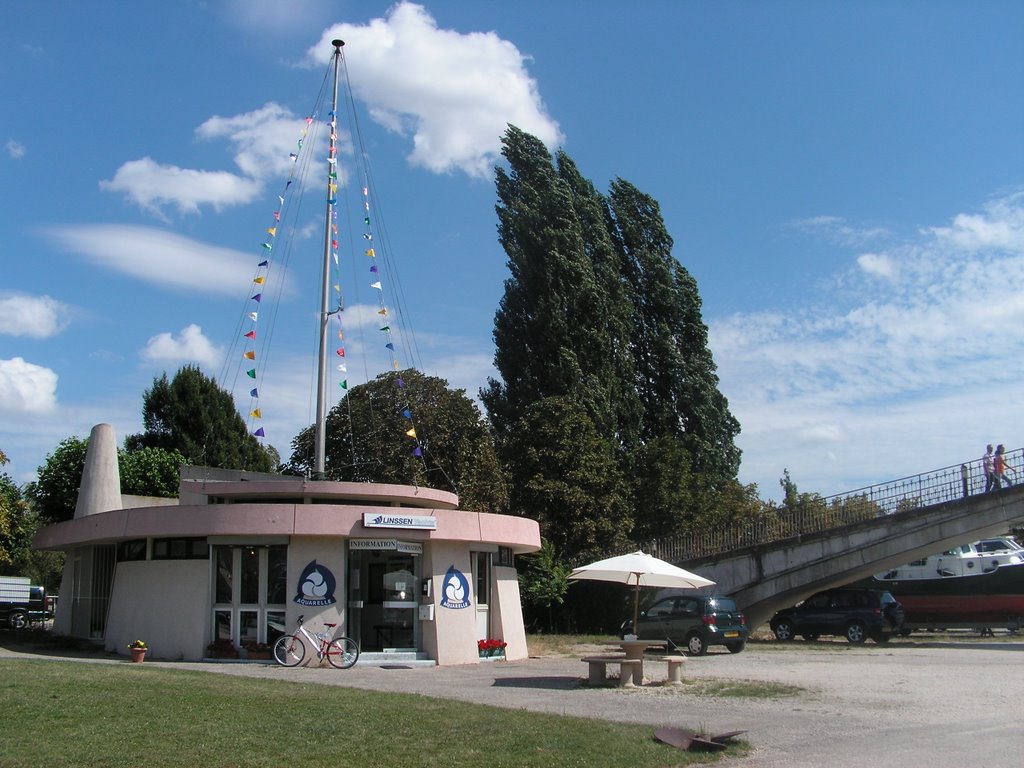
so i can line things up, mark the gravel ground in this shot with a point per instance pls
(948, 704)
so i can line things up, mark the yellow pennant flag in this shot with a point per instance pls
(412, 433)
(272, 231)
(256, 413)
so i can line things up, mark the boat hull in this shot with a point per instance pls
(994, 599)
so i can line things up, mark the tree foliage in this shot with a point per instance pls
(367, 440)
(543, 583)
(144, 472)
(150, 472)
(566, 477)
(191, 414)
(54, 493)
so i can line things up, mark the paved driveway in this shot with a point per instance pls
(907, 704)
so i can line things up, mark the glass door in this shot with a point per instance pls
(385, 587)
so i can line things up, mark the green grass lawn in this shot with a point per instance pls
(64, 713)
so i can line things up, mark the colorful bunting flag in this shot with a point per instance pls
(260, 433)
(250, 355)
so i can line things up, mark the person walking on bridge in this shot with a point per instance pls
(988, 467)
(1000, 466)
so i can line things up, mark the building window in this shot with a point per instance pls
(505, 557)
(131, 550)
(180, 549)
(482, 568)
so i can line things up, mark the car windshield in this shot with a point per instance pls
(722, 604)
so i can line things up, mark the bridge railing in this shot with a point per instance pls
(815, 514)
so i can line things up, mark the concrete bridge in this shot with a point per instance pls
(767, 577)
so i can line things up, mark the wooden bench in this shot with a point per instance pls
(675, 669)
(629, 669)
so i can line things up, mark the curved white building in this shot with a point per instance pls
(240, 556)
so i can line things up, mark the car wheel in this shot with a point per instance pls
(18, 620)
(695, 645)
(736, 647)
(810, 636)
(783, 630)
(856, 632)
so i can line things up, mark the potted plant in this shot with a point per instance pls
(222, 649)
(490, 647)
(138, 650)
(257, 651)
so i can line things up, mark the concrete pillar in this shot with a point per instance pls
(100, 490)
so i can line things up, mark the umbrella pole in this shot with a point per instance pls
(636, 606)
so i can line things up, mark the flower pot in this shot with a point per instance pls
(138, 654)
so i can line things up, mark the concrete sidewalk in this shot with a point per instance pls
(943, 705)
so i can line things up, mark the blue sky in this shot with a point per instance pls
(845, 180)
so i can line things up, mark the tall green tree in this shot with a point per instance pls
(191, 414)
(675, 370)
(549, 331)
(367, 440)
(598, 313)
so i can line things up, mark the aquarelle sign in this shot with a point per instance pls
(455, 593)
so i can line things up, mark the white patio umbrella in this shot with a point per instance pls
(640, 570)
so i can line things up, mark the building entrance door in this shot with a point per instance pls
(383, 599)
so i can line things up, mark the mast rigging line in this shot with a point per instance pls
(279, 248)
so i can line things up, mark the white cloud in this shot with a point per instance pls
(38, 317)
(26, 388)
(190, 345)
(262, 141)
(151, 185)
(837, 230)
(15, 149)
(147, 253)
(877, 264)
(268, 17)
(1000, 226)
(454, 93)
(886, 378)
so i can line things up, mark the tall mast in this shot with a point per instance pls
(325, 295)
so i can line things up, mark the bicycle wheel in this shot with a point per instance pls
(343, 652)
(289, 650)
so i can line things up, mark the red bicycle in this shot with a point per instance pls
(341, 652)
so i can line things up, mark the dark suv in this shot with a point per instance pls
(693, 622)
(856, 614)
